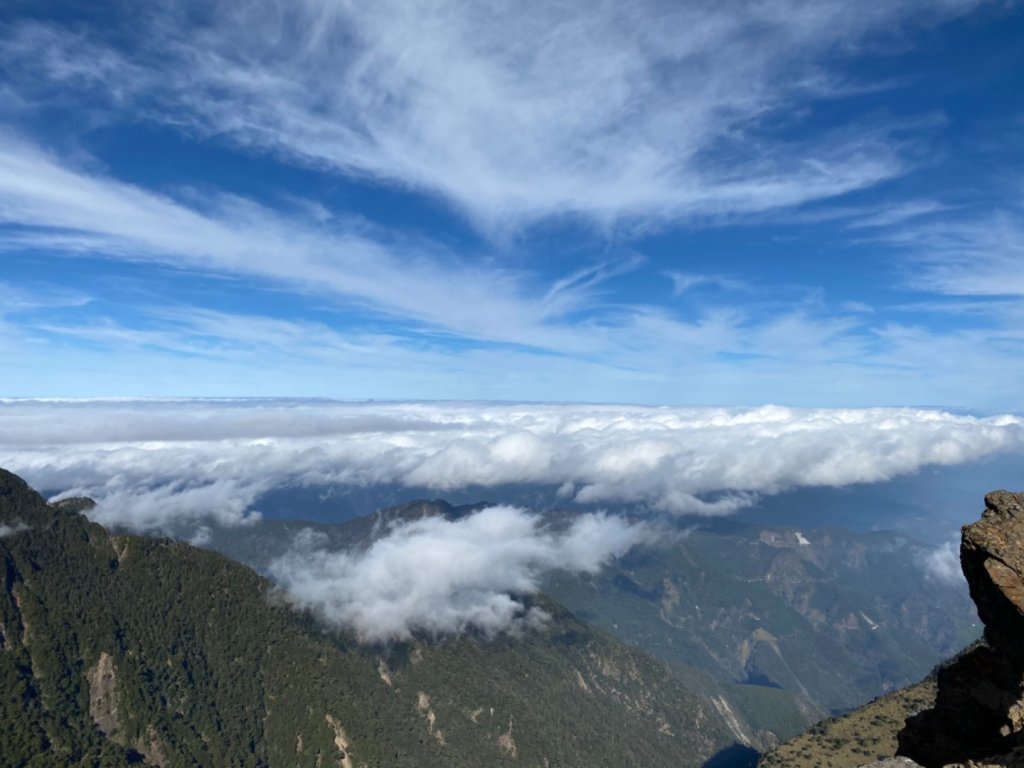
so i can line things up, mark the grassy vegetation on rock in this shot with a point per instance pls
(855, 739)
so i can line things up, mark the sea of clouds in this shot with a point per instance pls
(161, 465)
(149, 463)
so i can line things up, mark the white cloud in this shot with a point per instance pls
(979, 256)
(152, 506)
(150, 463)
(74, 210)
(513, 111)
(682, 282)
(442, 577)
(794, 356)
(10, 530)
(942, 564)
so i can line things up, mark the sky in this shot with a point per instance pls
(809, 204)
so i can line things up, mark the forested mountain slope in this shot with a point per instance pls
(787, 626)
(121, 649)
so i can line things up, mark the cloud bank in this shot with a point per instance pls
(442, 576)
(151, 464)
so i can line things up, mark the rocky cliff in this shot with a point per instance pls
(974, 716)
(978, 718)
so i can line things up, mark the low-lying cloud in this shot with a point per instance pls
(151, 464)
(443, 576)
(943, 564)
(9, 530)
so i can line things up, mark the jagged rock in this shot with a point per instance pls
(893, 762)
(992, 556)
(978, 719)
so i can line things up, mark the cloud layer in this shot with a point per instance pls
(154, 463)
(441, 577)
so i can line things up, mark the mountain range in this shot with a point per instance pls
(118, 649)
(705, 648)
(777, 627)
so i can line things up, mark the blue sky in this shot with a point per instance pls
(811, 204)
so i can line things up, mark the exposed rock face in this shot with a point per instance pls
(103, 695)
(978, 719)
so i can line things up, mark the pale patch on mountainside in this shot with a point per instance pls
(759, 635)
(9, 530)
(581, 682)
(152, 749)
(423, 705)
(103, 707)
(731, 720)
(506, 743)
(869, 620)
(25, 629)
(105, 712)
(385, 673)
(120, 545)
(663, 727)
(669, 598)
(611, 678)
(340, 740)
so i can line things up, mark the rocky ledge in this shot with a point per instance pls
(978, 718)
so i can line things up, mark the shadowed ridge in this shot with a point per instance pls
(18, 501)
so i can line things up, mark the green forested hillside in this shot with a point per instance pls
(786, 626)
(119, 649)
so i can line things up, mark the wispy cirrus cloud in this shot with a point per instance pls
(53, 204)
(57, 206)
(979, 255)
(657, 115)
(799, 355)
(513, 113)
(682, 282)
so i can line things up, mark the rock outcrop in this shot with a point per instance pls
(978, 719)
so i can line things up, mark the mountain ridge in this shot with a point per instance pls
(120, 649)
(968, 712)
(801, 591)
